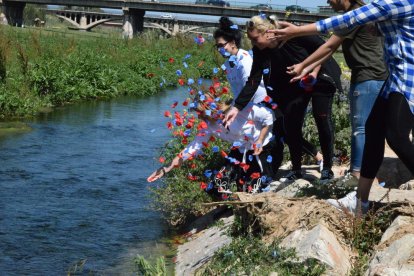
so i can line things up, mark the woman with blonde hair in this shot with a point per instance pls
(270, 61)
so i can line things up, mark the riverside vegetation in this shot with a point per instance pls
(39, 69)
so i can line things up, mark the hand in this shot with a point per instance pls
(257, 148)
(230, 116)
(287, 31)
(296, 70)
(156, 175)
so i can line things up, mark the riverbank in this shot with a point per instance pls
(380, 244)
(39, 69)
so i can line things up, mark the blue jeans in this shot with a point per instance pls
(362, 97)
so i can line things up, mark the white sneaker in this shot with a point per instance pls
(320, 163)
(350, 202)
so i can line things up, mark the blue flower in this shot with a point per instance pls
(200, 81)
(190, 81)
(234, 27)
(266, 71)
(185, 64)
(237, 144)
(269, 159)
(215, 70)
(262, 15)
(250, 158)
(179, 73)
(215, 149)
(223, 67)
(187, 56)
(208, 173)
(207, 112)
(233, 58)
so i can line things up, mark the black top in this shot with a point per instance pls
(271, 63)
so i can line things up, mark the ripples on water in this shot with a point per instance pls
(75, 188)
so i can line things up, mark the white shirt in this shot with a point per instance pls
(243, 132)
(240, 72)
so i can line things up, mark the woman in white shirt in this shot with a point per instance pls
(250, 135)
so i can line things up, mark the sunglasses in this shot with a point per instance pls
(221, 45)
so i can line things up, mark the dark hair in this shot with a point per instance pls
(227, 33)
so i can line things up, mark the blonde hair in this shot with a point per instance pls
(263, 23)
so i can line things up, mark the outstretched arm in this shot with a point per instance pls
(316, 59)
(176, 162)
(289, 31)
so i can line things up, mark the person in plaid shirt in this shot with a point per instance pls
(392, 116)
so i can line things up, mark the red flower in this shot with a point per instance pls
(189, 125)
(167, 114)
(174, 104)
(150, 75)
(202, 125)
(216, 84)
(191, 177)
(162, 159)
(255, 175)
(205, 144)
(169, 125)
(181, 82)
(171, 60)
(219, 175)
(244, 166)
(185, 103)
(267, 99)
(212, 139)
(203, 185)
(184, 141)
(225, 90)
(193, 166)
(212, 90)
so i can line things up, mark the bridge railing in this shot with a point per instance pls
(238, 4)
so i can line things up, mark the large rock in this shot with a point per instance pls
(196, 252)
(395, 253)
(394, 260)
(321, 244)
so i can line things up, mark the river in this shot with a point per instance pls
(73, 190)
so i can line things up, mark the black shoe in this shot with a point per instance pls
(292, 176)
(326, 175)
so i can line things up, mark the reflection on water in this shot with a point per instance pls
(74, 187)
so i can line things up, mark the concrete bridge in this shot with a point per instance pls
(85, 20)
(134, 10)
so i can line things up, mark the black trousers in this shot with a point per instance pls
(288, 128)
(393, 120)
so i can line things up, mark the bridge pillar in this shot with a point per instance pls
(14, 13)
(133, 22)
(83, 22)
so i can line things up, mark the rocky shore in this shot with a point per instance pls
(311, 226)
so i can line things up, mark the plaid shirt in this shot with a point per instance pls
(395, 19)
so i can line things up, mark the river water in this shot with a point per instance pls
(74, 188)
